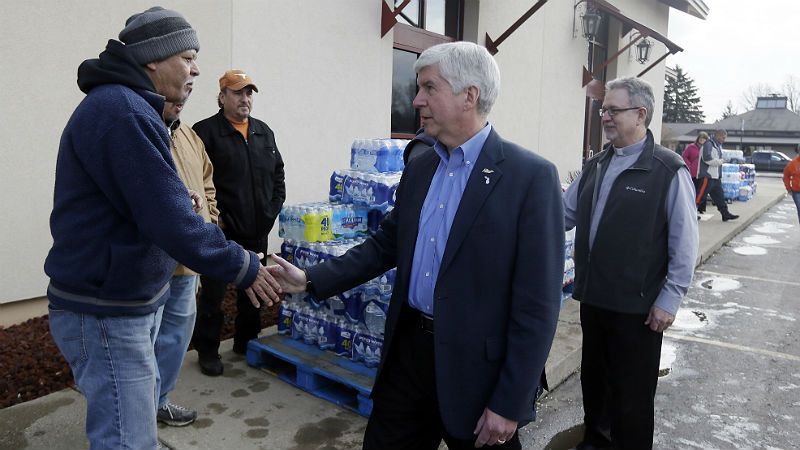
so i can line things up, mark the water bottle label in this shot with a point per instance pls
(344, 341)
(367, 348)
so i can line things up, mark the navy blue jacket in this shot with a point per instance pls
(121, 215)
(498, 293)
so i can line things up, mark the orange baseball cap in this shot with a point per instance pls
(235, 80)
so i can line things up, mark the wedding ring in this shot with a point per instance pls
(501, 441)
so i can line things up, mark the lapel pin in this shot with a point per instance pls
(488, 171)
(486, 178)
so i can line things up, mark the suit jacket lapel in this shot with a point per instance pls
(484, 177)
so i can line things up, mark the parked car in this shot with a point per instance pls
(768, 160)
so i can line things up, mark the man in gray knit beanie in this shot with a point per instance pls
(157, 34)
(165, 45)
(121, 218)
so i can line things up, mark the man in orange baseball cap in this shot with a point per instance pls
(249, 177)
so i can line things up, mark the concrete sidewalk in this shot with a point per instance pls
(248, 408)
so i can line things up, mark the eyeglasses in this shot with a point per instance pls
(614, 111)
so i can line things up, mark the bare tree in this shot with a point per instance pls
(728, 111)
(750, 96)
(791, 89)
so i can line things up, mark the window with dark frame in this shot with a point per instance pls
(421, 24)
(593, 132)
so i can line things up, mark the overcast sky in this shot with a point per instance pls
(740, 44)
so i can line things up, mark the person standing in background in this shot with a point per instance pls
(636, 245)
(791, 179)
(709, 173)
(249, 179)
(178, 316)
(691, 156)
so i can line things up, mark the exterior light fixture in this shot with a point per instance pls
(643, 50)
(590, 19)
(591, 24)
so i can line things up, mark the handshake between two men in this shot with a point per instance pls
(275, 280)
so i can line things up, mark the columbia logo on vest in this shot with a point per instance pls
(635, 189)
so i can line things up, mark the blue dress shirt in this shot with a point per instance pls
(436, 217)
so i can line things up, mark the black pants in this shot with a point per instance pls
(713, 187)
(208, 325)
(619, 373)
(405, 412)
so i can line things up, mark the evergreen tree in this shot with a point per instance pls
(681, 103)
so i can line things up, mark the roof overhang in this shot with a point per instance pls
(628, 24)
(695, 8)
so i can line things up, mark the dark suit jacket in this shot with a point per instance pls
(498, 293)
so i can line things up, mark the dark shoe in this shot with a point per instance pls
(175, 416)
(211, 365)
(728, 216)
(239, 348)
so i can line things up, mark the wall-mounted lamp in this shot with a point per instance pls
(643, 50)
(591, 24)
(590, 20)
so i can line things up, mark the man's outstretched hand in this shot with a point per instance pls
(265, 287)
(290, 278)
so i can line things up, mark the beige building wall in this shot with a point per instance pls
(541, 104)
(324, 76)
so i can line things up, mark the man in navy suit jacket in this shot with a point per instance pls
(477, 236)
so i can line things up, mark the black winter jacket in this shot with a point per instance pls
(248, 176)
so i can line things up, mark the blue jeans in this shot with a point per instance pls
(796, 197)
(113, 363)
(177, 323)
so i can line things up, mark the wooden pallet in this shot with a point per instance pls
(318, 372)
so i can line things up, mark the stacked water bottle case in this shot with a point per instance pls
(349, 324)
(739, 181)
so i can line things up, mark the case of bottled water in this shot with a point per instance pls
(377, 155)
(371, 190)
(733, 156)
(335, 322)
(315, 222)
(738, 181)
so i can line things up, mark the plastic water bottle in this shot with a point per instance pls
(374, 318)
(344, 340)
(352, 304)
(286, 314)
(336, 186)
(299, 323)
(366, 347)
(310, 326)
(329, 331)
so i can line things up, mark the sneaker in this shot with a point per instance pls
(211, 365)
(176, 416)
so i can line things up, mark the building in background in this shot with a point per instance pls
(329, 72)
(770, 126)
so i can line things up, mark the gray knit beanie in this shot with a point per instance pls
(157, 34)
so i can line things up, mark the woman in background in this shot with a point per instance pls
(691, 156)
